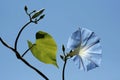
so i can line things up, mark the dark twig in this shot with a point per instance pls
(27, 50)
(22, 59)
(5, 44)
(16, 41)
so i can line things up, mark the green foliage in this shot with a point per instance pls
(45, 48)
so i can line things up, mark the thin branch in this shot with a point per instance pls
(16, 41)
(22, 59)
(32, 12)
(5, 44)
(27, 50)
(29, 65)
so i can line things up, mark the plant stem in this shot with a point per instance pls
(22, 59)
(16, 41)
(14, 49)
(27, 50)
(63, 72)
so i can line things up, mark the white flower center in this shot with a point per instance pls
(82, 52)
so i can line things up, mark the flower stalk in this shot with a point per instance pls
(14, 49)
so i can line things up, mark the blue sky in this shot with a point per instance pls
(62, 18)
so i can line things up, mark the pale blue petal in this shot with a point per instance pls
(88, 37)
(74, 40)
(94, 60)
(88, 64)
(95, 49)
(88, 40)
(85, 62)
(78, 61)
(94, 56)
(91, 65)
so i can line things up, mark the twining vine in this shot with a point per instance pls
(33, 18)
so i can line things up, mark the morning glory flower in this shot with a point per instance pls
(86, 49)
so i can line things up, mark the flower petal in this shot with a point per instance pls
(93, 61)
(91, 65)
(78, 62)
(95, 49)
(74, 40)
(89, 54)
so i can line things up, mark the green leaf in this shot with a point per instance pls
(38, 13)
(45, 49)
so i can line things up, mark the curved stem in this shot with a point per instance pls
(16, 41)
(22, 59)
(14, 49)
(27, 50)
(29, 65)
(63, 72)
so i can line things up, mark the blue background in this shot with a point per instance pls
(62, 18)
